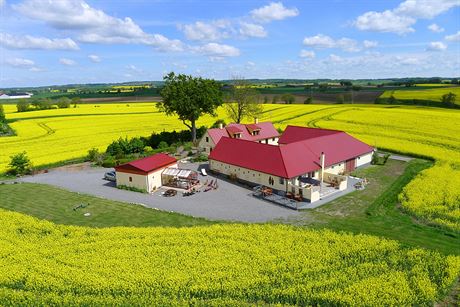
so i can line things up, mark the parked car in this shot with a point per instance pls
(110, 176)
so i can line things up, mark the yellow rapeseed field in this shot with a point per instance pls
(44, 264)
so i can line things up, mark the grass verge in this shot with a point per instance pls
(57, 205)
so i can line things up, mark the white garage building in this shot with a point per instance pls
(144, 174)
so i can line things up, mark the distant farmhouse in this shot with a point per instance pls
(303, 162)
(15, 95)
(263, 132)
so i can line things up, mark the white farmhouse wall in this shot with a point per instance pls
(364, 159)
(137, 181)
(336, 169)
(206, 143)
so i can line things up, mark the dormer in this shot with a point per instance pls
(234, 132)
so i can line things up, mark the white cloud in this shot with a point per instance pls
(252, 30)
(386, 21)
(2, 3)
(217, 51)
(335, 58)
(20, 62)
(426, 9)
(67, 62)
(370, 44)
(435, 28)
(436, 46)
(454, 37)
(250, 64)
(94, 58)
(36, 69)
(34, 42)
(202, 31)
(401, 19)
(320, 41)
(94, 25)
(273, 11)
(307, 54)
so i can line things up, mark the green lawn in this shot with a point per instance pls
(376, 211)
(56, 205)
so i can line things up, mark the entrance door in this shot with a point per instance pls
(350, 165)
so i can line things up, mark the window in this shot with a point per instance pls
(281, 180)
(271, 181)
(273, 139)
(266, 141)
(130, 179)
(207, 139)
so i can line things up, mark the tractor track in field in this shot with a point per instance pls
(49, 131)
(12, 120)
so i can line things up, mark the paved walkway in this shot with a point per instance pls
(229, 202)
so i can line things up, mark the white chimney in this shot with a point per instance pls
(256, 120)
(322, 161)
(221, 126)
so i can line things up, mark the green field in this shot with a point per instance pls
(433, 95)
(57, 205)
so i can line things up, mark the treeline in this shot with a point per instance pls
(36, 104)
(124, 150)
(4, 128)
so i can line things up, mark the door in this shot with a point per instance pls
(350, 165)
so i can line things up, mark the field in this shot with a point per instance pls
(425, 94)
(231, 265)
(54, 135)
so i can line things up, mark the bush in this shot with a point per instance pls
(219, 122)
(22, 106)
(125, 187)
(171, 137)
(20, 164)
(163, 145)
(377, 159)
(63, 103)
(308, 100)
(2, 114)
(123, 147)
(200, 158)
(109, 162)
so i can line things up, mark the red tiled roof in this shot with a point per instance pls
(296, 133)
(267, 131)
(253, 127)
(289, 160)
(148, 164)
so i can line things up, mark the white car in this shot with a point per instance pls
(110, 176)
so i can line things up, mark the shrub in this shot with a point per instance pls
(23, 106)
(163, 145)
(20, 164)
(123, 147)
(2, 114)
(200, 158)
(308, 100)
(63, 103)
(133, 189)
(109, 161)
(218, 122)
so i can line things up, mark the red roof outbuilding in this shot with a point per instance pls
(146, 165)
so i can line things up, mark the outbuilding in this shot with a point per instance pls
(144, 174)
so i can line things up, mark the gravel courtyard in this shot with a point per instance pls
(229, 202)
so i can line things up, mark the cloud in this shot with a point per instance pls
(211, 31)
(217, 51)
(67, 62)
(273, 11)
(307, 54)
(435, 28)
(453, 38)
(370, 44)
(2, 3)
(386, 21)
(436, 46)
(252, 30)
(20, 62)
(94, 25)
(94, 58)
(34, 42)
(321, 41)
(401, 19)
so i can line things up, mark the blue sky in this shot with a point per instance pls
(46, 42)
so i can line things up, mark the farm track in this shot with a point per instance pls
(79, 115)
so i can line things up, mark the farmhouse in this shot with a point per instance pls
(145, 173)
(263, 132)
(306, 163)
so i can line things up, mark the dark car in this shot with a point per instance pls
(110, 176)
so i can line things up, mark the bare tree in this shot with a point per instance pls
(242, 101)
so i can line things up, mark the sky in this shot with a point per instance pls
(52, 42)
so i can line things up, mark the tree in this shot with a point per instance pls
(340, 98)
(75, 101)
(242, 101)
(2, 114)
(189, 98)
(275, 99)
(20, 164)
(22, 105)
(219, 122)
(63, 103)
(308, 100)
(449, 99)
(265, 99)
(288, 98)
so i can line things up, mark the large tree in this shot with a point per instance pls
(189, 98)
(242, 101)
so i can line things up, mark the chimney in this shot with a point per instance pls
(322, 161)
(221, 126)
(256, 120)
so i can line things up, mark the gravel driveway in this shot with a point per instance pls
(229, 202)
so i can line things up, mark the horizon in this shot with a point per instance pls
(71, 42)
